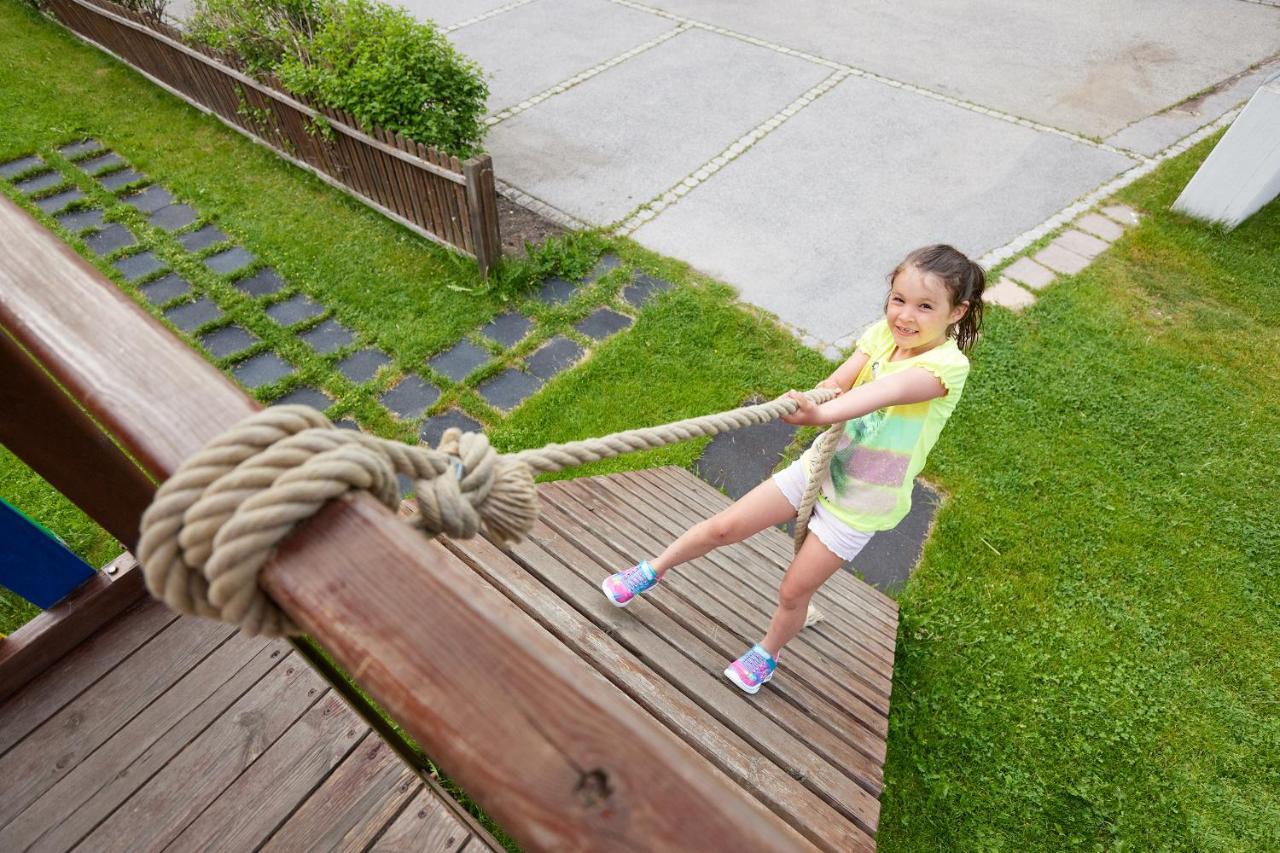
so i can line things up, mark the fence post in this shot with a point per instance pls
(482, 204)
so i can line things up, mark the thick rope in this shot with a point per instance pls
(215, 522)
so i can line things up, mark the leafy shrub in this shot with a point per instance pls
(374, 61)
(152, 10)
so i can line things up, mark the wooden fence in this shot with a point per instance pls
(432, 193)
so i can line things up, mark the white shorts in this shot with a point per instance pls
(840, 539)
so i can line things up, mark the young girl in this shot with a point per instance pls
(895, 394)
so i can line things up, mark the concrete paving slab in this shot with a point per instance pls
(1100, 226)
(1028, 272)
(539, 45)
(1081, 243)
(447, 13)
(1091, 66)
(889, 171)
(1008, 295)
(1061, 259)
(1155, 133)
(622, 137)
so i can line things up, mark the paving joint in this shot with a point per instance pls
(660, 202)
(583, 76)
(542, 208)
(485, 16)
(854, 71)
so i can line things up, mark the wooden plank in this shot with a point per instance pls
(70, 451)
(865, 706)
(119, 752)
(864, 734)
(425, 826)
(37, 645)
(119, 786)
(847, 616)
(566, 764)
(68, 737)
(158, 811)
(430, 199)
(678, 691)
(353, 805)
(716, 696)
(45, 695)
(265, 794)
(745, 575)
(678, 480)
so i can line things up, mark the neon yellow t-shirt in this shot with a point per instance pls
(868, 484)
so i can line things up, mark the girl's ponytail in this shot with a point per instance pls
(973, 281)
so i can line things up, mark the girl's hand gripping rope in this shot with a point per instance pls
(806, 413)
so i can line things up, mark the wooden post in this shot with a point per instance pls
(482, 205)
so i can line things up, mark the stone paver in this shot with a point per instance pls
(669, 112)
(231, 261)
(602, 323)
(17, 167)
(537, 46)
(362, 365)
(228, 340)
(164, 289)
(149, 200)
(294, 310)
(1123, 213)
(54, 203)
(459, 360)
(1028, 272)
(508, 389)
(507, 329)
(102, 162)
(262, 283)
(122, 178)
(81, 220)
(202, 238)
(328, 336)
(643, 288)
(825, 273)
(347, 423)
(38, 183)
(554, 356)
(1100, 226)
(1062, 260)
(1007, 294)
(608, 263)
(79, 149)
(555, 291)
(307, 396)
(174, 216)
(411, 397)
(139, 266)
(190, 316)
(433, 427)
(1081, 243)
(113, 236)
(262, 369)
(739, 460)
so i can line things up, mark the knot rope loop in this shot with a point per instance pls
(214, 524)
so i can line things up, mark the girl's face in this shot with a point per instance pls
(919, 310)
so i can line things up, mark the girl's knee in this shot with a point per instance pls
(793, 593)
(721, 529)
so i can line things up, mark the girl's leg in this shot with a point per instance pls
(808, 571)
(763, 506)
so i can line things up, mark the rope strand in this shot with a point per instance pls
(214, 524)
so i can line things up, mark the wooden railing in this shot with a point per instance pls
(426, 190)
(558, 756)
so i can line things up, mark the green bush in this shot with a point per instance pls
(374, 61)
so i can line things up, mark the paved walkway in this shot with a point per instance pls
(797, 150)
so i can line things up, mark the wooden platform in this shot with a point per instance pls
(162, 731)
(811, 745)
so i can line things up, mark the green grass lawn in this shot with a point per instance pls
(1088, 658)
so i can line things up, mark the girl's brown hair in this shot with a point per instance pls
(964, 280)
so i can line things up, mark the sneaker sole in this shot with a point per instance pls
(733, 676)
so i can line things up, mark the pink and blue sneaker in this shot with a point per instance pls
(622, 587)
(753, 669)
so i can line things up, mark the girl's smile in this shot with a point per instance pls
(919, 311)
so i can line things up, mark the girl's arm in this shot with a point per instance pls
(843, 377)
(914, 385)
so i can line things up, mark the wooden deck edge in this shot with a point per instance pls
(40, 643)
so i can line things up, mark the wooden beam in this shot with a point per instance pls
(558, 756)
